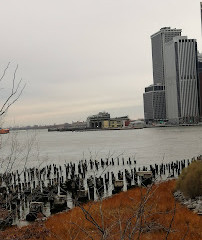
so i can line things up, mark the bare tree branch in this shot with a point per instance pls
(4, 72)
(186, 231)
(16, 91)
(171, 222)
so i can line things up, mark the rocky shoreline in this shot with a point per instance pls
(193, 204)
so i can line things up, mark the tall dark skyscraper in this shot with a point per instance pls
(200, 70)
(200, 83)
(158, 41)
(154, 96)
(181, 80)
(201, 15)
(154, 103)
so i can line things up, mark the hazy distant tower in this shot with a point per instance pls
(158, 41)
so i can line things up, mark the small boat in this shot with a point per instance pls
(136, 124)
(4, 131)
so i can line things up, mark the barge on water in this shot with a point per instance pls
(4, 131)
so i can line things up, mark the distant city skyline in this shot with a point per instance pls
(82, 57)
(154, 96)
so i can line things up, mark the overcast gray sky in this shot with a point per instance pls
(80, 57)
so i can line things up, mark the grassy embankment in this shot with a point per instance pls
(136, 213)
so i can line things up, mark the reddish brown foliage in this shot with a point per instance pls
(114, 214)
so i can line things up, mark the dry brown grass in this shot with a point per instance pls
(113, 215)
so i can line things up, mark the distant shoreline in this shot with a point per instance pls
(100, 129)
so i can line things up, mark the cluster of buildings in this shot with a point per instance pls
(100, 121)
(103, 120)
(176, 93)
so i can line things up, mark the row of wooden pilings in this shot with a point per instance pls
(78, 182)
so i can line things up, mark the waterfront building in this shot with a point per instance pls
(118, 122)
(96, 121)
(154, 103)
(112, 123)
(181, 80)
(122, 121)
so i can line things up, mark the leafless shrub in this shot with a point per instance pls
(190, 180)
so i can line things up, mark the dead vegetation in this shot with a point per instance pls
(140, 213)
(190, 180)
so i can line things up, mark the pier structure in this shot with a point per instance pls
(60, 187)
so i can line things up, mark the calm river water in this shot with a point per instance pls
(148, 145)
